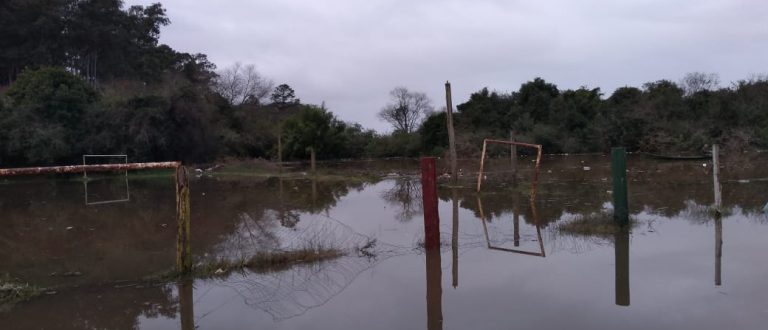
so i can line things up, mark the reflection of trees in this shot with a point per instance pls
(294, 291)
(406, 195)
(94, 308)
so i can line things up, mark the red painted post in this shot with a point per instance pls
(429, 194)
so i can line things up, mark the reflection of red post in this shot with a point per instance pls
(429, 193)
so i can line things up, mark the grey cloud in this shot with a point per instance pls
(351, 53)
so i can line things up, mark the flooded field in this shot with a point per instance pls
(504, 261)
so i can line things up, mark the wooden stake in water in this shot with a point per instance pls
(183, 246)
(716, 177)
(619, 177)
(482, 165)
(451, 136)
(513, 154)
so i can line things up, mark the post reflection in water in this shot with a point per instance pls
(186, 304)
(434, 290)
(718, 248)
(621, 248)
(535, 215)
(455, 239)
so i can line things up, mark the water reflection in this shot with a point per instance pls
(455, 238)
(516, 235)
(186, 304)
(128, 241)
(434, 290)
(718, 248)
(621, 249)
(406, 196)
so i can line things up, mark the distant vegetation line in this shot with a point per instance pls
(90, 77)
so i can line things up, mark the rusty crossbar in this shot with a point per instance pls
(183, 245)
(521, 144)
(83, 168)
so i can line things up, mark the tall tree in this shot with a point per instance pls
(43, 122)
(406, 109)
(284, 95)
(241, 84)
(315, 131)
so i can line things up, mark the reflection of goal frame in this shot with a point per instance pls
(85, 181)
(541, 252)
(512, 143)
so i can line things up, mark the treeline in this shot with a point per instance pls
(90, 77)
(660, 117)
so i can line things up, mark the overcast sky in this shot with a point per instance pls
(351, 53)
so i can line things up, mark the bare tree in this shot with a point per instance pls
(243, 84)
(406, 109)
(695, 82)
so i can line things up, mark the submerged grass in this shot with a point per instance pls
(261, 262)
(265, 261)
(13, 291)
(600, 224)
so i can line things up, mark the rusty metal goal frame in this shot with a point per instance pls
(512, 143)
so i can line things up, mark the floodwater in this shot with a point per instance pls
(502, 264)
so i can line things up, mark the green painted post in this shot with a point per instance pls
(619, 177)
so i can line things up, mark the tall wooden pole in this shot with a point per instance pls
(716, 178)
(451, 135)
(183, 246)
(280, 146)
(482, 163)
(513, 154)
(312, 160)
(516, 219)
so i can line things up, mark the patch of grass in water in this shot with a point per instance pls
(13, 291)
(268, 261)
(600, 224)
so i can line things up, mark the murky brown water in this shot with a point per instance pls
(502, 273)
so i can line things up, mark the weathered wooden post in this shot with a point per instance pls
(516, 219)
(716, 178)
(183, 246)
(455, 238)
(619, 177)
(429, 196)
(280, 146)
(621, 250)
(482, 165)
(312, 160)
(451, 136)
(513, 155)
